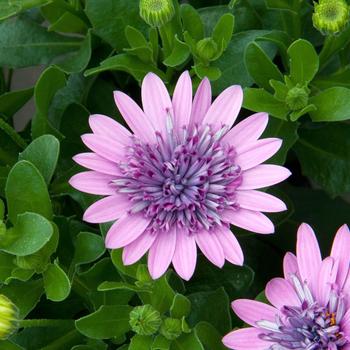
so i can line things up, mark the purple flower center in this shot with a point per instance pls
(310, 326)
(186, 178)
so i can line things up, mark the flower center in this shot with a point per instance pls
(310, 326)
(186, 178)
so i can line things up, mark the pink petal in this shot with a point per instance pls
(136, 249)
(210, 246)
(345, 323)
(252, 311)
(259, 201)
(182, 100)
(225, 108)
(108, 127)
(95, 162)
(126, 230)
(248, 130)
(340, 251)
(249, 220)
(290, 265)
(326, 278)
(238, 340)
(253, 154)
(107, 209)
(104, 146)
(156, 101)
(138, 122)
(93, 182)
(308, 256)
(185, 256)
(263, 175)
(161, 253)
(280, 293)
(201, 102)
(232, 249)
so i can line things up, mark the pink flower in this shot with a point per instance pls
(180, 177)
(310, 305)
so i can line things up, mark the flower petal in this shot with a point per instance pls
(259, 201)
(93, 182)
(138, 122)
(238, 340)
(156, 101)
(248, 130)
(345, 323)
(107, 209)
(232, 250)
(290, 265)
(95, 162)
(308, 256)
(136, 249)
(161, 253)
(124, 231)
(201, 102)
(182, 100)
(340, 251)
(263, 175)
(210, 246)
(224, 110)
(185, 256)
(253, 154)
(280, 293)
(326, 278)
(249, 220)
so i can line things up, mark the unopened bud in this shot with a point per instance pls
(156, 13)
(297, 98)
(145, 320)
(171, 328)
(206, 48)
(8, 317)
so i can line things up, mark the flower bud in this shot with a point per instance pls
(297, 97)
(330, 16)
(8, 317)
(171, 328)
(206, 48)
(145, 320)
(156, 13)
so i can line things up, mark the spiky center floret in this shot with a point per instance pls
(186, 178)
(310, 326)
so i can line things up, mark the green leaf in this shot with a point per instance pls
(181, 306)
(30, 233)
(12, 101)
(191, 21)
(139, 342)
(129, 270)
(341, 78)
(50, 81)
(179, 55)
(303, 61)
(160, 343)
(7, 344)
(295, 115)
(107, 322)
(10, 8)
(135, 37)
(88, 248)
(43, 152)
(186, 342)
(280, 4)
(26, 191)
(25, 43)
(56, 283)
(332, 105)
(212, 73)
(260, 66)
(223, 30)
(6, 265)
(209, 336)
(105, 286)
(258, 100)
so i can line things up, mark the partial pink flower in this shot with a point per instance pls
(180, 176)
(309, 308)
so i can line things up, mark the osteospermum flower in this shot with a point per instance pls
(310, 305)
(180, 177)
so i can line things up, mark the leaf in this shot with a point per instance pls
(88, 248)
(209, 336)
(6, 265)
(161, 343)
(341, 78)
(326, 163)
(140, 342)
(186, 342)
(332, 105)
(181, 307)
(50, 81)
(258, 100)
(191, 21)
(43, 152)
(129, 270)
(260, 66)
(105, 286)
(107, 322)
(25, 43)
(179, 54)
(56, 283)
(223, 30)
(303, 61)
(10, 8)
(30, 233)
(212, 73)
(12, 101)
(26, 191)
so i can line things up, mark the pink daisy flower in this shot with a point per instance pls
(310, 305)
(180, 177)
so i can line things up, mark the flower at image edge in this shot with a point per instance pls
(310, 306)
(180, 177)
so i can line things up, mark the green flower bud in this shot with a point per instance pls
(156, 13)
(145, 320)
(297, 97)
(206, 48)
(330, 16)
(8, 317)
(171, 328)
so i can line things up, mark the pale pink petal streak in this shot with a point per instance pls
(326, 279)
(95, 162)
(245, 339)
(280, 292)
(201, 102)
(210, 246)
(232, 250)
(93, 182)
(290, 266)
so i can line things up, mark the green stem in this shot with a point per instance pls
(44, 323)
(11, 132)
